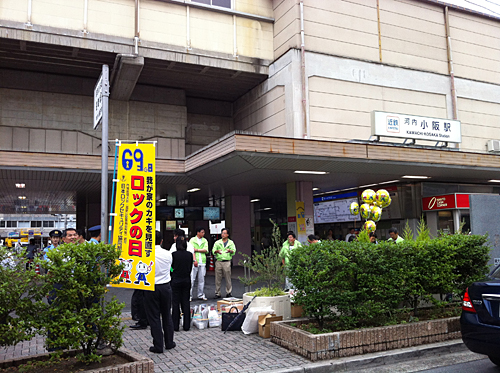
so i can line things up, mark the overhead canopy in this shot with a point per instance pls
(240, 164)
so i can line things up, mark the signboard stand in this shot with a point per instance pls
(101, 108)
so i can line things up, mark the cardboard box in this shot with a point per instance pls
(265, 324)
(297, 311)
(226, 303)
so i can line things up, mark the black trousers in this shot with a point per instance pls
(180, 296)
(137, 307)
(158, 303)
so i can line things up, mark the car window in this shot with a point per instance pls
(496, 273)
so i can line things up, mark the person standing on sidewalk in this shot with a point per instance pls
(200, 245)
(290, 244)
(159, 302)
(224, 250)
(95, 234)
(182, 262)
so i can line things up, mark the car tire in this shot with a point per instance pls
(495, 360)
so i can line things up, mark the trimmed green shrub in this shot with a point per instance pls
(78, 316)
(362, 283)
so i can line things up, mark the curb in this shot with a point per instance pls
(376, 359)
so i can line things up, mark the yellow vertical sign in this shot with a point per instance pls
(301, 221)
(134, 225)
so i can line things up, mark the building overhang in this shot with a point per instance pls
(258, 166)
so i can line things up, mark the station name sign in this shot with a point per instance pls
(415, 127)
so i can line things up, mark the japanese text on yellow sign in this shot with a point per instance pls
(301, 220)
(135, 221)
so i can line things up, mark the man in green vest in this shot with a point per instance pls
(200, 245)
(290, 244)
(395, 237)
(224, 250)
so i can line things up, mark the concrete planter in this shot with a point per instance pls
(356, 342)
(280, 304)
(138, 363)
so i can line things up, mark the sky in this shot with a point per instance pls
(491, 7)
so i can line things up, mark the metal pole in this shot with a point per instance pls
(104, 159)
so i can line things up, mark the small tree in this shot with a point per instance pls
(79, 317)
(20, 299)
(407, 232)
(423, 231)
(268, 265)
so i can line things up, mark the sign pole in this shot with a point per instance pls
(104, 156)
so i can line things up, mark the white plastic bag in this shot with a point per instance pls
(251, 323)
(214, 319)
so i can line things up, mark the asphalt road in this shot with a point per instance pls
(483, 366)
(457, 362)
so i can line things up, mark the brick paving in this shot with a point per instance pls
(207, 350)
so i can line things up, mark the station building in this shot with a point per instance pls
(254, 105)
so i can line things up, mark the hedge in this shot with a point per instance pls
(367, 283)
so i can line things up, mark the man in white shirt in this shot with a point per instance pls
(352, 233)
(159, 302)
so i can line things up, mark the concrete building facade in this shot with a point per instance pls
(240, 94)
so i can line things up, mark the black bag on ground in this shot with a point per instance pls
(229, 317)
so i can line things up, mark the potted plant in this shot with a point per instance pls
(269, 270)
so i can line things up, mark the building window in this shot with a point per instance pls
(48, 224)
(2, 224)
(11, 224)
(36, 224)
(220, 3)
(23, 224)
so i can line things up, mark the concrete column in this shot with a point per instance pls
(239, 224)
(291, 197)
(432, 223)
(300, 191)
(305, 194)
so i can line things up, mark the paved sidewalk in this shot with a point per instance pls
(208, 350)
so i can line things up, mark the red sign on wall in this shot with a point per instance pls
(446, 202)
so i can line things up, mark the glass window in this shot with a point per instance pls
(48, 224)
(221, 3)
(465, 220)
(11, 224)
(2, 223)
(496, 273)
(23, 224)
(36, 224)
(445, 222)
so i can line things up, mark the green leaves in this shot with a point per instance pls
(267, 266)
(362, 283)
(76, 283)
(20, 299)
(79, 317)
